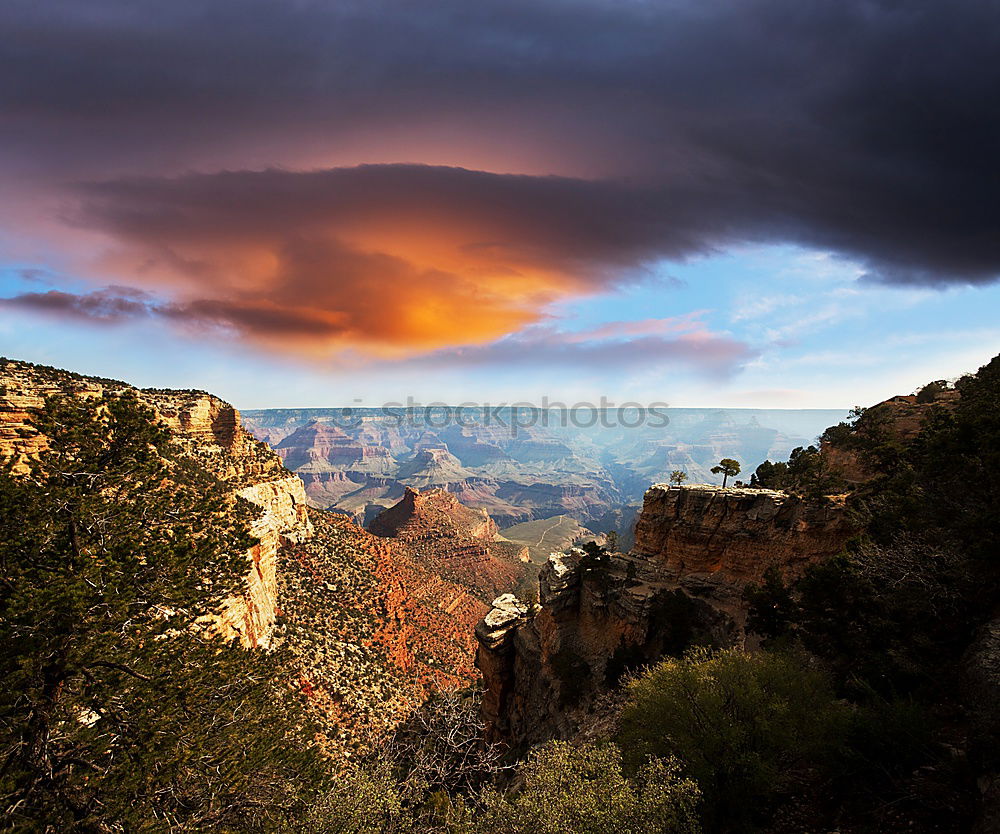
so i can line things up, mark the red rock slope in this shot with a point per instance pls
(370, 631)
(461, 544)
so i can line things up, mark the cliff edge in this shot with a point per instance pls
(204, 429)
(599, 616)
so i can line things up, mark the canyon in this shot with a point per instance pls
(592, 467)
(550, 616)
(367, 625)
(376, 618)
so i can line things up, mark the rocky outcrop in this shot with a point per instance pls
(205, 429)
(599, 616)
(729, 537)
(432, 513)
(461, 544)
(251, 615)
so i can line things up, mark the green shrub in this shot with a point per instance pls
(930, 391)
(676, 616)
(361, 801)
(878, 746)
(770, 475)
(736, 720)
(771, 609)
(582, 789)
(625, 659)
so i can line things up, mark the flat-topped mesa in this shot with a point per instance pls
(207, 430)
(696, 548)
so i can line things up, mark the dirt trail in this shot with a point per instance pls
(556, 523)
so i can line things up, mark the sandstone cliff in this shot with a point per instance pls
(696, 549)
(726, 538)
(205, 429)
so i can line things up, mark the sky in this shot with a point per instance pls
(758, 203)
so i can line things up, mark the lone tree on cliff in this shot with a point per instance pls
(678, 477)
(727, 467)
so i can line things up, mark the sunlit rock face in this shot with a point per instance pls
(730, 536)
(697, 547)
(208, 431)
(251, 615)
(459, 543)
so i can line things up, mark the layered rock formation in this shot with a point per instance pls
(205, 429)
(463, 545)
(323, 447)
(598, 616)
(726, 538)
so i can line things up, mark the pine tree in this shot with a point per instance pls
(727, 468)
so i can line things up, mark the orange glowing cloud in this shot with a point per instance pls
(389, 260)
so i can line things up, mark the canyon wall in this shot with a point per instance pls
(205, 429)
(696, 548)
(576, 462)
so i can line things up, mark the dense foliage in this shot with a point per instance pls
(736, 720)
(893, 617)
(560, 788)
(582, 788)
(118, 713)
(805, 473)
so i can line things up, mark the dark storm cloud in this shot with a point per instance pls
(119, 305)
(581, 226)
(110, 305)
(868, 128)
